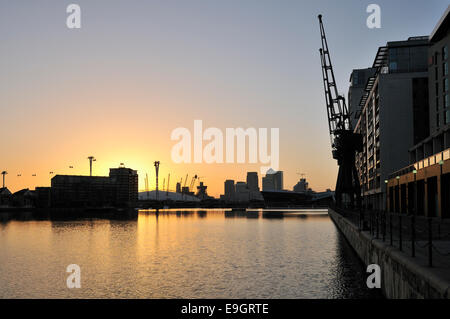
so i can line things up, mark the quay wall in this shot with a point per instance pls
(401, 276)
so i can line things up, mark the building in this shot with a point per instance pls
(394, 114)
(5, 196)
(301, 186)
(23, 198)
(358, 80)
(119, 189)
(438, 89)
(229, 190)
(252, 181)
(126, 185)
(423, 187)
(178, 187)
(273, 180)
(242, 193)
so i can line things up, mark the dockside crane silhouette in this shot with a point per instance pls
(344, 142)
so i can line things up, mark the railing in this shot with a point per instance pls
(408, 233)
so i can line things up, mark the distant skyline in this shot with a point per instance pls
(117, 87)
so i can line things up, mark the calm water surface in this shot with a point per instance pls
(182, 254)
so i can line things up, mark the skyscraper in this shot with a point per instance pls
(252, 181)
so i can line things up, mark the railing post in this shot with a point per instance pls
(430, 243)
(400, 239)
(390, 228)
(413, 236)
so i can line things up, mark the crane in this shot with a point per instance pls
(344, 142)
(191, 186)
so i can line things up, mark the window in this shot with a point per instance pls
(437, 120)
(445, 69)
(447, 117)
(437, 88)
(435, 58)
(445, 53)
(437, 104)
(446, 101)
(445, 85)
(435, 74)
(393, 66)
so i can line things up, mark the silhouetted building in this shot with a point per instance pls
(252, 181)
(120, 189)
(42, 197)
(229, 190)
(178, 188)
(273, 180)
(23, 198)
(301, 186)
(126, 185)
(201, 192)
(5, 196)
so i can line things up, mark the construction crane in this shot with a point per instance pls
(191, 186)
(4, 173)
(91, 159)
(344, 142)
(157, 172)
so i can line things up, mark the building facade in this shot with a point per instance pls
(358, 80)
(394, 114)
(119, 189)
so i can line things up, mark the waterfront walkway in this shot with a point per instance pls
(423, 243)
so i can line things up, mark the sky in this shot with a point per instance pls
(136, 70)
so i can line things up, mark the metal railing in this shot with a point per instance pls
(408, 233)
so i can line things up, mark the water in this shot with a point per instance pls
(182, 254)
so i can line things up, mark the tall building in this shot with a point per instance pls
(394, 114)
(242, 193)
(229, 190)
(252, 181)
(438, 90)
(273, 180)
(126, 185)
(423, 187)
(358, 80)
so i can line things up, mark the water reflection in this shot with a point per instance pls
(182, 254)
